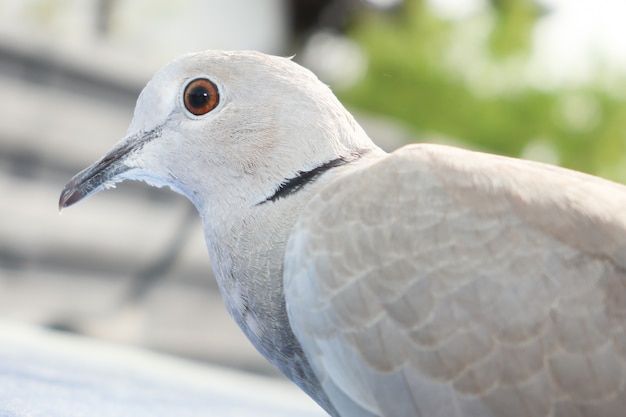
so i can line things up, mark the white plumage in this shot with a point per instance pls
(432, 281)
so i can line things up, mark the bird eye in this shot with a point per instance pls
(200, 96)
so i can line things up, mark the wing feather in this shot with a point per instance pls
(443, 282)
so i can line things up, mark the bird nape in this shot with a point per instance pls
(431, 281)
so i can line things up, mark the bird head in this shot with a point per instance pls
(222, 125)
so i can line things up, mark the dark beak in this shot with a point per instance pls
(102, 174)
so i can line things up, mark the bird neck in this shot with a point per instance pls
(246, 239)
(246, 245)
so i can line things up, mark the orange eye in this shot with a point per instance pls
(201, 96)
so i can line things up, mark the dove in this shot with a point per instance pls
(430, 281)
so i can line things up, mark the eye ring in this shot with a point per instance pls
(200, 96)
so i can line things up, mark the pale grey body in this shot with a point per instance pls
(431, 282)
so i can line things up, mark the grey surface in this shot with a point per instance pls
(45, 373)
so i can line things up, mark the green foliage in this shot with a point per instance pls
(514, 22)
(465, 79)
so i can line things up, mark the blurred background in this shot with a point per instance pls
(542, 79)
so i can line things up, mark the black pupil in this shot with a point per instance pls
(198, 97)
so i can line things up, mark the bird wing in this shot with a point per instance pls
(444, 282)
